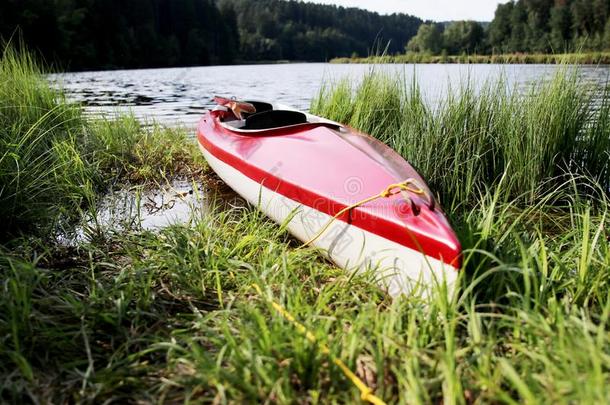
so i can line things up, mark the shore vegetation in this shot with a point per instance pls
(584, 58)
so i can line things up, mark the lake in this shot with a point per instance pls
(179, 96)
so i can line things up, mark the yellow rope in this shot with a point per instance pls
(366, 393)
(389, 191)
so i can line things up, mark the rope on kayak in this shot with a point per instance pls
(366, 393)
(389, 191)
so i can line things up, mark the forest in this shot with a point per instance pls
(106, 34)
(276, 29)
(529, 26)
(551, 26)
(91, 34)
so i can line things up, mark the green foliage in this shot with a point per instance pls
(83, 34)
(293, 30)
(586, 58)
(429, 39)
(524, 26)
(87, 34)
(463, 37)
(547, 26)
(457, 37)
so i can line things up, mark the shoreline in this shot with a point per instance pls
(592, 58)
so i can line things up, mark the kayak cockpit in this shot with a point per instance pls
(260, 116)
(271, 119)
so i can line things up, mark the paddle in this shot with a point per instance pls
(238, 107)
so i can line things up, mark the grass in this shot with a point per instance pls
(171, 316)
(477, 139)
(580, 58)
(53, 161)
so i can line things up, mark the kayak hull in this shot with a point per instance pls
(398, 269)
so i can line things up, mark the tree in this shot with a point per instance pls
(606, 41)
(583, 17)
(429, 38)
(561, 27)
(518, 22)
(500, 29)
(463, 36)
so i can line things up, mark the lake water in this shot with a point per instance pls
(179, 96)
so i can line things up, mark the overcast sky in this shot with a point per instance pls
(438, 10)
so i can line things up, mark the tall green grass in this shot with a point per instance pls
(40, 167)
(53, 161)
(172, 316)
(478, 138)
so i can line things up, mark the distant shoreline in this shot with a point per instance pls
(589, 58)
(592, 58)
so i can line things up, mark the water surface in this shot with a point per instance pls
(179, 96)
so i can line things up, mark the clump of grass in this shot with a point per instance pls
(477, 137)
(126, 149)
(40, 169)
(53, 161)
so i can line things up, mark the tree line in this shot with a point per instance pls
(531, 26)
(91, 34)
(294, 30)
(551, 26)
(102, 34)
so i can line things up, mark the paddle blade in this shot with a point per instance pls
(238, 107)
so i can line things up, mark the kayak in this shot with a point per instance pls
(336, 189)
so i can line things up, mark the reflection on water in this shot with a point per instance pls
(179, 96)
(148, 209)
(131, 208)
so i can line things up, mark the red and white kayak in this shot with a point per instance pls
(304, 169)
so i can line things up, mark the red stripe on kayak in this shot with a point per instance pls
(363, 220)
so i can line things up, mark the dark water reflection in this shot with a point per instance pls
(179, 96)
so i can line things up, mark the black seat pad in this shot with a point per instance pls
(274, 119)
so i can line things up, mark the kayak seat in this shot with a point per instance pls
(274, 119)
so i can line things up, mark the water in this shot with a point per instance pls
(141, 208)
(179, 96)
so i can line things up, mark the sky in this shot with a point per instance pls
(436, 10)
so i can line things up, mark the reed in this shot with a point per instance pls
(479, 137)
(583, 58)
(53, 161)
